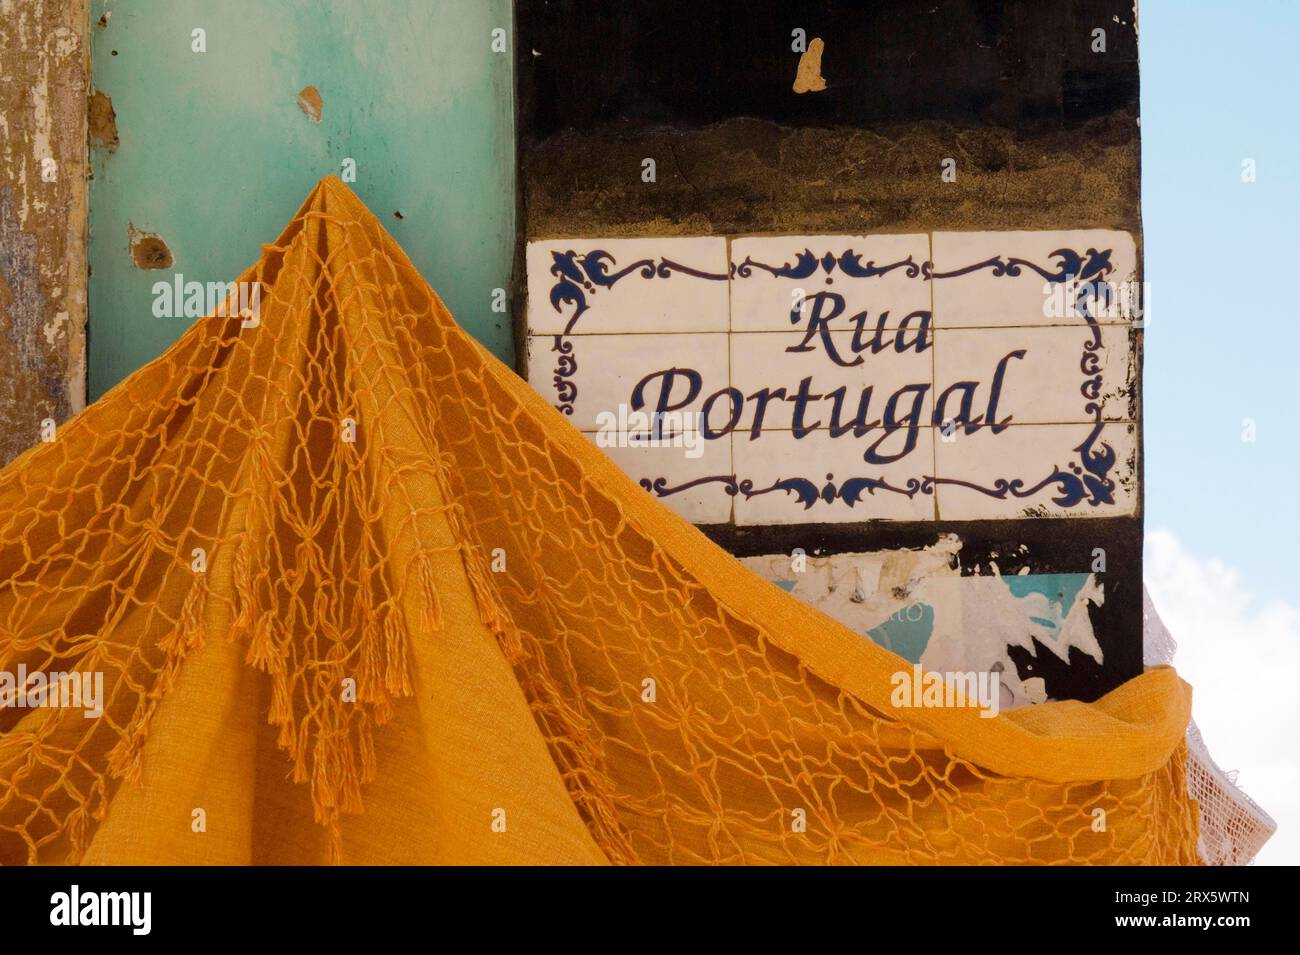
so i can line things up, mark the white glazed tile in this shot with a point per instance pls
(763, 360)
(609, 367)
(668, 468)
(762, 301)
(655, 296)
(1029, 454)
(818, 460)
(984, 297)
(1045, 384)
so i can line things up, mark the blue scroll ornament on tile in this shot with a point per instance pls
(579, 276)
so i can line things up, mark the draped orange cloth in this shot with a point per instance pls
(358, 594)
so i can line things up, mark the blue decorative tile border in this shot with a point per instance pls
(1086, 477)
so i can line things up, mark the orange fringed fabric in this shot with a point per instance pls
(495, 592)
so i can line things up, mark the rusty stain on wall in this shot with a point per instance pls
(310, 103)
(42, 216)
(148, 250)
(103, 120)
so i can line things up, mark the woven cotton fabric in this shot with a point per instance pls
(381, 505)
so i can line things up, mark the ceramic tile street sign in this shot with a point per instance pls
(827, 379)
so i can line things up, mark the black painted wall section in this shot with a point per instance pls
(1015, 87)
(1017, 63)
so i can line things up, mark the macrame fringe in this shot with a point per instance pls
(297, 747)
(370, 667)
(281, 711)
(588, 784)
(432, 619)
(188, 634)
(126, 756)
(329, 740)
(75, 827)
(124, 759)
(242, 573)
(492, 612)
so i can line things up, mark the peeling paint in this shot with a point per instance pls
(922, 606)
(103, 121)
(53, 329)
(808, 78)
(63, 42)
(148, 250)
(310, 103)
(41, 127)
(20, 292)
(43, 121)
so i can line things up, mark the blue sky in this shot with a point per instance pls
(1219, 85)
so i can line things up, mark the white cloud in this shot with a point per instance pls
(1242, 657)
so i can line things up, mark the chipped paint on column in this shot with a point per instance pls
(212, 159)
(42, 216)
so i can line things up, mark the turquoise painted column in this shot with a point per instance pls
(214, 152)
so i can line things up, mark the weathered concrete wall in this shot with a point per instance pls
(747, 175)
(43, 76)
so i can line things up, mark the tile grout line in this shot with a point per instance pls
(731, 341)
(930, 427)
(934, 385)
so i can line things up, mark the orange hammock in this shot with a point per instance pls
(358, 594)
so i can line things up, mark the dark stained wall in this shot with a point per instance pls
(1043, 128)
(1002, 62)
